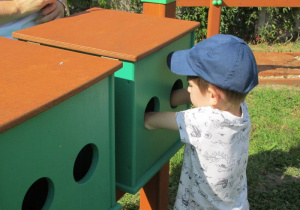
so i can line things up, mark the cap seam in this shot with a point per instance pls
(232, 71)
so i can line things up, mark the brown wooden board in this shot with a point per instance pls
(117, 34)
(35, 78)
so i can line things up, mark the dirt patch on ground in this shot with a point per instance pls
(278, 68)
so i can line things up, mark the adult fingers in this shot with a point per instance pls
(51, 12)
(48, 9)
(48, 17)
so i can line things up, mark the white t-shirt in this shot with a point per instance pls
(213, 173)
(22, 23)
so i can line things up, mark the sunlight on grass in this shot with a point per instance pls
(293, 171)
(275, 118)
(280, 47)
(274, 161)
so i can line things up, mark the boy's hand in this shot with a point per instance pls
(160, 120)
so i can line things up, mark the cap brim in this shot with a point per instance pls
(178, 63)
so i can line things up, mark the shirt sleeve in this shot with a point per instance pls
(189, 124)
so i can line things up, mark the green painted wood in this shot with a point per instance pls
(159, 1)
(127, 72)
(46, 146)
(140, 153)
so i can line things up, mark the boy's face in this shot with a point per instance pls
(198, 98)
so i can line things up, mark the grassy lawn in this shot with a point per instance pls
(279, 47)
(274, 158)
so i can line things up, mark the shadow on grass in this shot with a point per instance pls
(274, 180)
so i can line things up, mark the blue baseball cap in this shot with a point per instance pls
(225, 61)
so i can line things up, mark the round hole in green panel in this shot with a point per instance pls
(177, 85)
(39, 195)
(153, 105)
(85, 163)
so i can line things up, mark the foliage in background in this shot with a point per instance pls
(137, 6)
(82, 5)
(199, 14)
(243, 21)
(239, 21)
(281, 28)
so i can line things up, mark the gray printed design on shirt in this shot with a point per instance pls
(223, 161)
(222, 183)
(194, 130)
(220, 123)
(242, 136)
(207, 135)
(223, 144)
(213, 171)
(199, 180)
(187, 200)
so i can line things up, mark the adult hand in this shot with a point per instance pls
(51, 12)
(27, 7)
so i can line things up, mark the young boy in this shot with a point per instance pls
(221, 71)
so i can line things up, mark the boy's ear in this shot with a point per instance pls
(214, 96)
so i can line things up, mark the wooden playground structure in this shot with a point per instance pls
(57, 86)
(214, 15)
(168, 9)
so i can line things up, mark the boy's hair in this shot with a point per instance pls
(233, 96)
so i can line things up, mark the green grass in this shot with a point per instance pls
(274, 157)
(279, 47)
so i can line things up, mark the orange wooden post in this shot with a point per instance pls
(214, 20)
(161, 10)
(154, 195)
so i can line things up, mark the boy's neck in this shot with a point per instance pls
(234, 109)
(237, 111)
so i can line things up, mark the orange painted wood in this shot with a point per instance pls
(111, 33)
(241, 3)
(214, 20)
(192, 3)
(35, 78)
(161, 10)
(154, 195)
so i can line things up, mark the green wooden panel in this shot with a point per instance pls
(141, 153)
(46, 147)
(127, 72)
(159, 1)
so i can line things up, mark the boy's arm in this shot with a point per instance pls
(180, 97)
(160, 120)
(166, 120)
